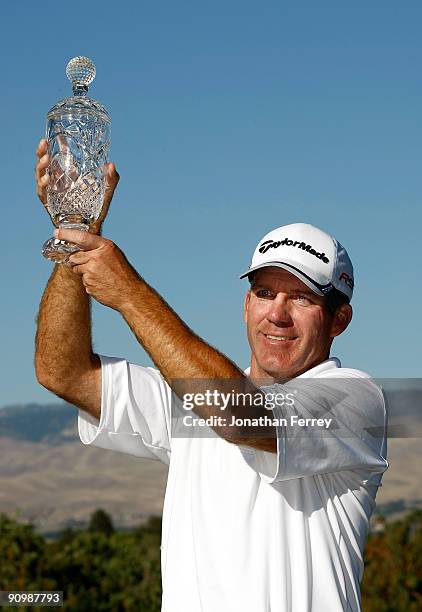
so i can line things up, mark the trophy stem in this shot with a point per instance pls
(72, 221)
(59, 250)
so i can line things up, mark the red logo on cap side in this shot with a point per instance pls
(347, 279)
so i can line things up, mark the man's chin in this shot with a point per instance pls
(276, 371)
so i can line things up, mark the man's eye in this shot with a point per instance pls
(263, 293)
(303, 300)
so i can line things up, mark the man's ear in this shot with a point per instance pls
(246, 305)
(341, 319)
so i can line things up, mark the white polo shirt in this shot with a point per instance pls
(246, 530)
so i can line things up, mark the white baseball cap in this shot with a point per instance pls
(316, 258)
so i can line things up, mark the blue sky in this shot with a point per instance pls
(229, 118)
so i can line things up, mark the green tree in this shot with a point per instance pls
(392, 581)
(101, 522)
(22, 557)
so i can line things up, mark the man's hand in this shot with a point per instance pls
(42, 180)
(106, 273)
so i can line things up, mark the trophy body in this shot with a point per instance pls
(78, 135)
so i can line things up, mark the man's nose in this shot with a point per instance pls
(279, 312)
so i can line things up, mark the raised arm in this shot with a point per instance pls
(185, 360)
(64, 360)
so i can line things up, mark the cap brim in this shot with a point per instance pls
(318, 288)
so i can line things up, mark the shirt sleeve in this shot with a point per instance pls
(354, 440)
(135, 412)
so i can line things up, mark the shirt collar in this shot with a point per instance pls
(324, 366)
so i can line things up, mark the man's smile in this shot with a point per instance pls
(279, 338)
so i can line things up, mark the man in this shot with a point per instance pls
(256, 519)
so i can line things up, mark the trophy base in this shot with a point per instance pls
(58, 250)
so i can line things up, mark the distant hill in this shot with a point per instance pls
(47, 476)
(38, 423)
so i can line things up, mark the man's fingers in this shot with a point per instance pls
(112, 179)
(81, 257)
(43, 161)
(41, 176)
(41, 166)
(79, 269)
(85, 240)
(44, 180)
(41, 148)
(113, 176)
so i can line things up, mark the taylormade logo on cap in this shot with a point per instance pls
(313, 256)
(271, 244)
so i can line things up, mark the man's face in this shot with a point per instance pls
(290, 329)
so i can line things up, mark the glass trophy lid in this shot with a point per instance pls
(81, 72)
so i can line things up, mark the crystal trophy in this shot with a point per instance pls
(78, 134)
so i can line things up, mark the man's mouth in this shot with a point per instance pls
(280, 338)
